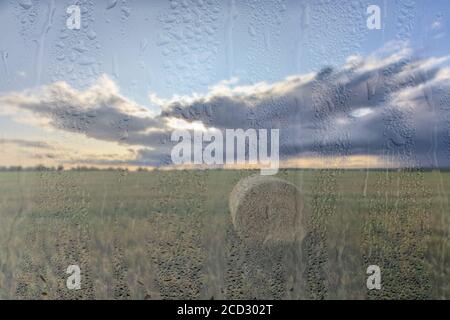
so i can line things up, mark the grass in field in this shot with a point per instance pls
(168, 234)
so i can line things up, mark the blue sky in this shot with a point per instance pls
(182, 48)
(302, 37)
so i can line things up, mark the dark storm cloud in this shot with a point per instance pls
(390, 103)
(396, 106)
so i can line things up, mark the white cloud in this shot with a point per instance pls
(361, 112)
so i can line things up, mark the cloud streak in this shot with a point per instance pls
(27, 143)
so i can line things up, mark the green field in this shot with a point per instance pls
(168, 235)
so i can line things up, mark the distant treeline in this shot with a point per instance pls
(41, 168)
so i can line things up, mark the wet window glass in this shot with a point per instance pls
(206, 149)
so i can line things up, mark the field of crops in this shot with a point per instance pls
(168, 235)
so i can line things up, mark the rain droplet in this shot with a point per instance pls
(111, 4)
(26, 4)
(91, 35)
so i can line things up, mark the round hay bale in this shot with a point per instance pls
(267, 210)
